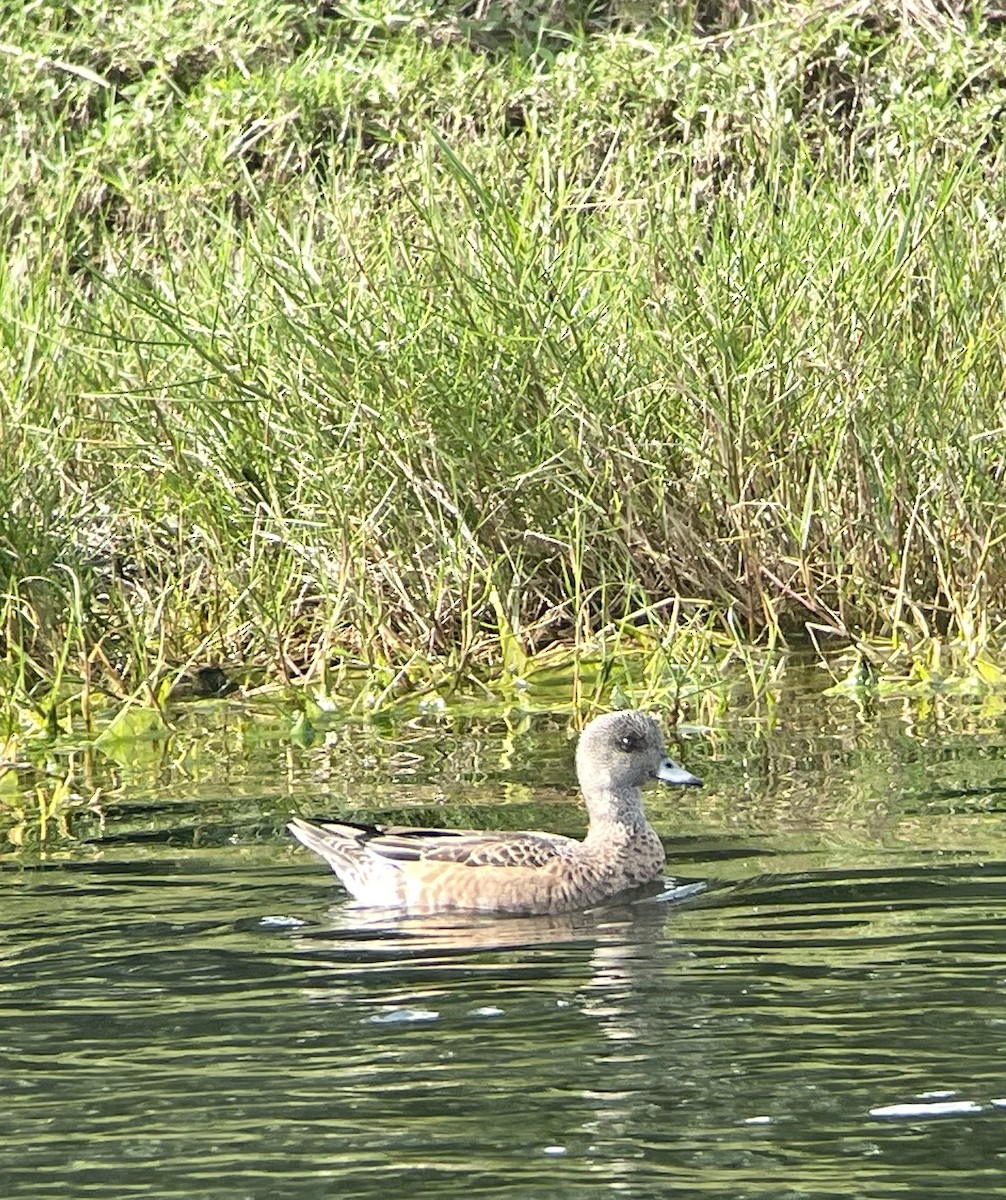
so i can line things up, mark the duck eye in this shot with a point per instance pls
(630, 742)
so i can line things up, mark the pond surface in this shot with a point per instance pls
(190, 1008)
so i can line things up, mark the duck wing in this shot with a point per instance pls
(464, 847)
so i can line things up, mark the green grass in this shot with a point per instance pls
(381, 337)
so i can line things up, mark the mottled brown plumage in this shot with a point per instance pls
(429, 870)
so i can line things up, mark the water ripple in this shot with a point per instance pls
(171, 1032)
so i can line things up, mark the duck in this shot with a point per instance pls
(521, 872)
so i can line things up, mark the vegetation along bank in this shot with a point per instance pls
(429, 340)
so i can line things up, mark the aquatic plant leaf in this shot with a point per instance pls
(514, 659)
(989, 673)
(302, 732)
(134, 723)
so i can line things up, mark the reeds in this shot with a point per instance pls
(441, 350)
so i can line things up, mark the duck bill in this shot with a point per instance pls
(670, 772)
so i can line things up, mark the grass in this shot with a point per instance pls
(444, 343)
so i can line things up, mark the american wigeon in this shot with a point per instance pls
(433, 870)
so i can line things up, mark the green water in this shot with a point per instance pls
(190, 1008)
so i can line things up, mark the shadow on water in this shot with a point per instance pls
(187, 1018)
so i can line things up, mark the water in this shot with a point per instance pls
(189, 1007)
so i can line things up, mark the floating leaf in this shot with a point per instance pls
(134, 723)
(861, 678)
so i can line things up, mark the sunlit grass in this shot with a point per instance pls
(449, 355)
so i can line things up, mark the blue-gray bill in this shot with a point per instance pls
(670, 772)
